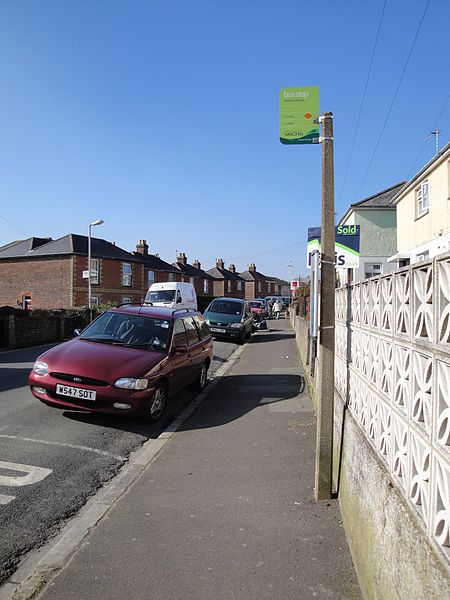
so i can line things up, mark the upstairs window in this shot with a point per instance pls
(422, 205)
(94, 270)
(239, 286)
(205, 286)
(126, 275)
(259, 287)
(229, 286)
(269, 287)
(171, 277)
(151, 278)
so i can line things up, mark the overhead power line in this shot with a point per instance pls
(361, 106)
(393, 100)
(436, 121)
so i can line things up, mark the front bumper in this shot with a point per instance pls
(106, 397)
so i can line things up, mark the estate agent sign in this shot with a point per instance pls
(299, 106)
(346, 245)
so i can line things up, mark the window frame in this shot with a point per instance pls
(127, 277)
(422, 199)
(96, 278)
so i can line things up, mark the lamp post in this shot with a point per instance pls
(93, 224)
(291, 265)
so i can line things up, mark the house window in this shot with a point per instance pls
(229, 286)
(239, 286)
(126, 300)
(259, 287)
(126, 274)
(372, 269)
(151, 278)
(171, 277)
(205, 286)
(94, 270)
(191, 280)
(422, 199)
(269, 287)
(94, 301)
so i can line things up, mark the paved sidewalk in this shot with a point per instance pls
(226, 509)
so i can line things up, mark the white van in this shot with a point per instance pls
(172, 294)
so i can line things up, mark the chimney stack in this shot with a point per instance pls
(252, 267)
(181, 258)
(196, 264)
(232, 268)
(219, 263)
(142, 247)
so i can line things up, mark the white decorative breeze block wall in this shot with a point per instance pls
(392, 366)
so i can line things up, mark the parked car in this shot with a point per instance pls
(128, 361)
(258, 310)
(230, 318)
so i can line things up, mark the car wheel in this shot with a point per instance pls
(202, 378)
(157, 404)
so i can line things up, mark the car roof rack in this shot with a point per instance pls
(133, 304)
(184, 310)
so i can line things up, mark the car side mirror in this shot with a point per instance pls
(76, 332)
(179, 299)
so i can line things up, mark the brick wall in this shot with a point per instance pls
(109, 287)
(47, 281)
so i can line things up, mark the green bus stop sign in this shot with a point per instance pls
(299, 107)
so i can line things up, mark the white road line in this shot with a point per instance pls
(33, 474)
(62, 444)
(4, 499)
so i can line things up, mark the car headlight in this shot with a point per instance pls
(40, 368)
(237, 325)
(130, 383)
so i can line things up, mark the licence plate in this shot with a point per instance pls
(217, 330)
(74, 392)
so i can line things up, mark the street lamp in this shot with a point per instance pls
(291, 265)
(93, 224)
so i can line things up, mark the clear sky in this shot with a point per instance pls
(162, 118)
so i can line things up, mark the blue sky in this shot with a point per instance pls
(161, 117)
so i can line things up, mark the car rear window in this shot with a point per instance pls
(191, 330)
(202, 326)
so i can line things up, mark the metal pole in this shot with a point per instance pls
(325, 400)
(89, 268)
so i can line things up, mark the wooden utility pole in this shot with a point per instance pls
(325, 407)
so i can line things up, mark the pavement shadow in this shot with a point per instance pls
(11, 379)
(237, 395)
(271, 336)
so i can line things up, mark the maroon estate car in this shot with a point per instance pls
(129, 360)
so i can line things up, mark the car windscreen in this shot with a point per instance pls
(256, 304)
(160, 296)
(129, 330)
(225, 307)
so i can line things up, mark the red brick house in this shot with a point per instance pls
(226, 281)
(155, 269)
(46, 273)
(201, 280)
(257, 285)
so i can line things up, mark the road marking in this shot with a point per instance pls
(62, 444)
(33, 474)
(4, 499)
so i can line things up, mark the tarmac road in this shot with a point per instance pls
(59, 458)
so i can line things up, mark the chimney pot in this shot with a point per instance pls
(219, 263)
(142, 247)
